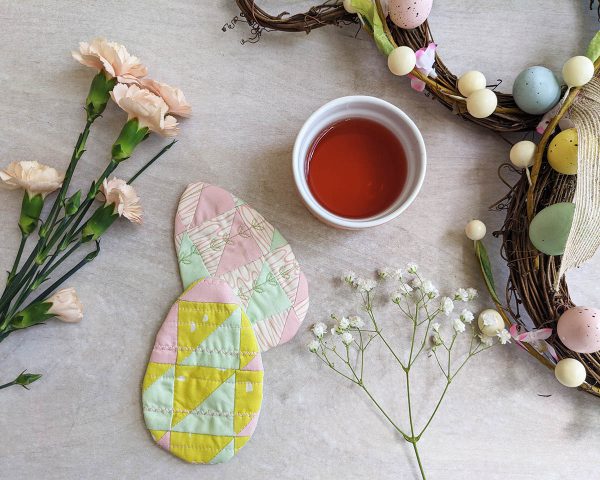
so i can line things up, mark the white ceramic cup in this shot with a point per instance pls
(379, 111)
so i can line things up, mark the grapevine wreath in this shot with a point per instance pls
(537, 296)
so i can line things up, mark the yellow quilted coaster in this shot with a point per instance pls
(202, 391)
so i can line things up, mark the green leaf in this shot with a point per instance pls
(99, 222)
(73, 203)
(31, 209)
(368, 11)
(486, 269)
(593, 50)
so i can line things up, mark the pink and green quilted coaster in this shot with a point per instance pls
(202, 391)
(219, 235)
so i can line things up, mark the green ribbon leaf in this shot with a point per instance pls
(367, 9)
(99, 222)
(486, 269)
(593, 50)
(31, 209)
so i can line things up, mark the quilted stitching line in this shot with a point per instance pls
(211, 413)
(233, 353)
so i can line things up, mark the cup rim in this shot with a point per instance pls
(299, 162)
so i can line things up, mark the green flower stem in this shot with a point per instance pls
(78, 152)
(13, 270)
(154, 159)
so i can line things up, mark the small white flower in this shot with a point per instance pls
(398, 274)
(436, 339)
(459, 327)
(467, 316)
(343, 324)
(347, 338)
(485, 340)
(472, 293)
(313, 346)
(356, 321)
(428, 287)
(416, 283)
(489, 318)
(446, 306)
(435, 327)
(412, 268)
(349, 277)
(461, 295)
(504, 336)
(319, 329)
(366, 285)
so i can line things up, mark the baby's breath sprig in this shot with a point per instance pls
(433, 329)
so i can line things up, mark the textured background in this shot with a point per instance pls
(84, 419)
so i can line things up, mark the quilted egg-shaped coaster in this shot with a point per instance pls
(219, 235)
(202, 391)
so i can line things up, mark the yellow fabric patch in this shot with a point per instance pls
(248, 342)
(197, 448)
(248, 397)
(154, 372)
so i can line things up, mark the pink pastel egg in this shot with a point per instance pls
(409, 14)
(579, 329)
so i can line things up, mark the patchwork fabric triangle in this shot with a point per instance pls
(235, 243)
(196, 398)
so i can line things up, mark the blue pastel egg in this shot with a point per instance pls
(536, 90)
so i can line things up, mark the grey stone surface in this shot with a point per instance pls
(84, 419)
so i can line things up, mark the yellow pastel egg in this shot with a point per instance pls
(562, 152)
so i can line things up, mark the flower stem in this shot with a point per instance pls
(416, 450)
(152, 160)
(13, 270)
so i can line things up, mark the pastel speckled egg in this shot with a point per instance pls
(550, 228)
(409, 14)
(562, 152)
(536, 90)
(579, 329)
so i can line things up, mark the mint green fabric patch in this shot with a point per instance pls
(268, 298)
(191, 265)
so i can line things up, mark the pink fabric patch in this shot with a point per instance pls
(213, 202)
(179, 226)
(302, 294)
(249, 429)
(242, 250)
(292, 324)
(165, 441)
(210, 290)
(166, 337)
(255, 364)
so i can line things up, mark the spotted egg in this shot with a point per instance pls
(409, 14)
(536, 90)
(579, 329)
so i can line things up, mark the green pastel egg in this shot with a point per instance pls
(550, 228)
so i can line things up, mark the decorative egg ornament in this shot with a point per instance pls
(402, 61)
(549, 229)
(482, 103)
(562, 152)
(490, 322)
(409, 14)
(522, 154)
(570, 372)
(536, 90)
(577, 71)
(475, 230)
(348, 6)
(471, 82)
(579, 329)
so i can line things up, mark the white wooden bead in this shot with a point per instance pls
(402, 61)
(570, 372)
(522, 154)
(482, 103)
(475, 230)
(471, 82)
(577, 71)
